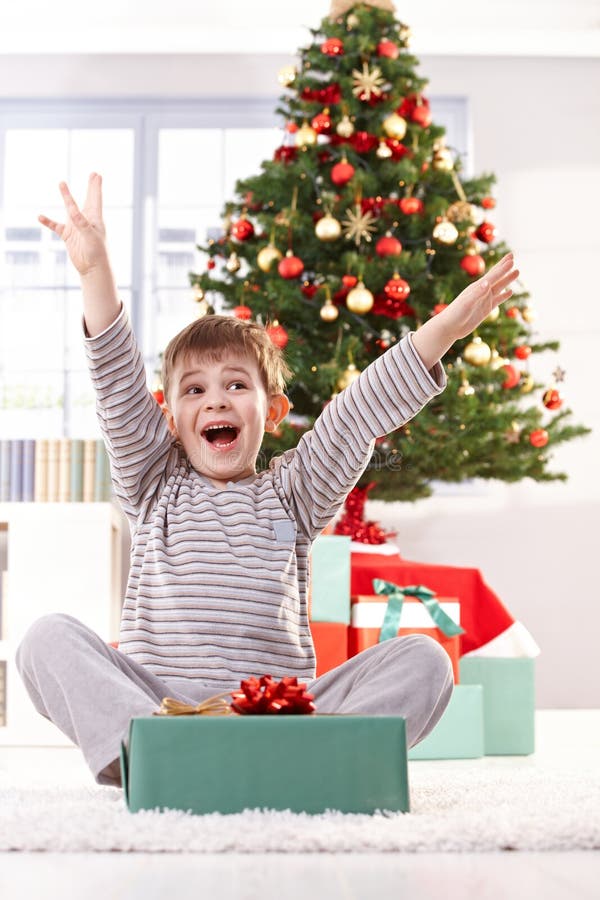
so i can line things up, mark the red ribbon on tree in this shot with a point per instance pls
(352, 523)
(266, 696)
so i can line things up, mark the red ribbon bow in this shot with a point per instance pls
(266, 696)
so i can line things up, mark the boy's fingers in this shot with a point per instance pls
(501, 266)
(507, 279)
(52, 225)
(75, 214)
(93, 198)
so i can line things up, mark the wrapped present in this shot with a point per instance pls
(211, 758)
(459, 732)
(331, 645)
(395, 611)
(508, 702)
(330, 579)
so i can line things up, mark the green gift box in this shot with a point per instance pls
(459, 732)
(508, 702)
(304, 763)
(330, 579)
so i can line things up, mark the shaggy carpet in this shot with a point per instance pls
(455, 808)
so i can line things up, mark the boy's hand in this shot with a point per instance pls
(465, 313)
(83, 232)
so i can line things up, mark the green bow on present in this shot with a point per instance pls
(396, 595)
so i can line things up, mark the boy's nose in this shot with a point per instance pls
(216, 401)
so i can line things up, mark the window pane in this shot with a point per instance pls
(190, 167)
(245, 149)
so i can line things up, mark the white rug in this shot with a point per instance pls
(455, 807)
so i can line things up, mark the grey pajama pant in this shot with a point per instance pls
(91, 691)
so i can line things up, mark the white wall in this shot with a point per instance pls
(536, 123)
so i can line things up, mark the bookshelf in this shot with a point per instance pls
(54, 557)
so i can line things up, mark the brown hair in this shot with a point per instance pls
(214, 336)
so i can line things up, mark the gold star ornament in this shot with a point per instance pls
(341, 7)
(367, 83)
(359, 226)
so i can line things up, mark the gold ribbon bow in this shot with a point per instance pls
(212, 706)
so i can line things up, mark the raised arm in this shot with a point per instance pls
(84, 235)
(435, 337)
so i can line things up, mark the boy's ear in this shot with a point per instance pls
(170, 419)
(279, 407)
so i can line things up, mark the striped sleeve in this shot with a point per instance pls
(134, 429)
(316, 477)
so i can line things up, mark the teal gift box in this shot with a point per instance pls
(459, 732)
(330, 579)
(304, 763)
(508, 702)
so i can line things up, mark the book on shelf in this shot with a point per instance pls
(54, 470)
(4, 471)
(40, 471)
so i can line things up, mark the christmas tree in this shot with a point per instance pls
(358, 230)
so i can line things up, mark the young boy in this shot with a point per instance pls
(217, 589)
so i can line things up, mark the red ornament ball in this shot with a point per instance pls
(290, 266)
(210, 264)
(242, 229)
(242, 312)
(397, 288)
(278, 335)
(523, 351)
(349, 281)
(411, 205)
(539, 437)
(438, 308)
(512, 312)
(332, 47)
(513, 376)
(486, 233)
(342, 172)
(309, 289)
(388, 246)
(388, 49)
(473, 264)
(552, 399)
(322, 123)
(422, 116)
(159, 396)
(291, 127)
(488, 203)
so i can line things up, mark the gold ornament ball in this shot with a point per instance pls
(360, 299)
(348, 376)
(201, 308)
(404, 33)
(352, 21)
(491, 317)
(498, 361)
(395, 126)
(528, 384)
(442, 160)
(328, 228)
(198, 293)
(233, 264)
(445, 232)
(383, 151)
(329, 311)
(461, 211)
(477, 352)
(267, 256)
(344, 127)
(528, 314)
(465, 389)
(286, 76)
(306, 136)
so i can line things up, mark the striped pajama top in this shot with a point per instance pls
(217, 589)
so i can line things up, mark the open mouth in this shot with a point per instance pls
(221, 437)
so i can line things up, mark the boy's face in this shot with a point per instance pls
(219, 411)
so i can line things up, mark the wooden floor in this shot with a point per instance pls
(467, 876)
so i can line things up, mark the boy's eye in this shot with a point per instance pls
(237, 384)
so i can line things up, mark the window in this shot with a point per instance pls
(168, 169)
